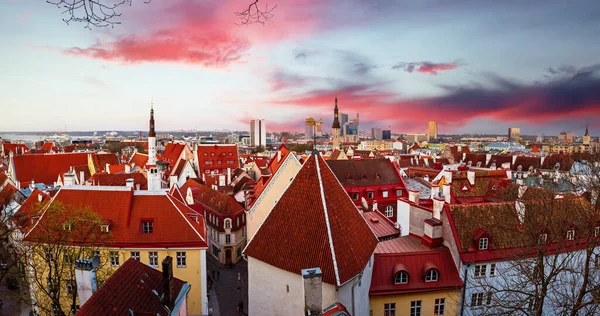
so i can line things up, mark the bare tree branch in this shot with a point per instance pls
(254, 14)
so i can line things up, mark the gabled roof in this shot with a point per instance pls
(45, 168)
(24, 217)
(48, 147)
(126, 209)
(119, 179)
(564, 161)
(407, 254)
(220, 203)
(368, 172)
(171, 153)
(130, 290)
(15, 148)
(139, 160)
(315, 224)
(100, 160)
(499, 160)
(527, 161)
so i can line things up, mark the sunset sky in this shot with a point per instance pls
(475, 66)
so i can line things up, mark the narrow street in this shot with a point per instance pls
(228, 290)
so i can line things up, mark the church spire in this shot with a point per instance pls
(336, 122)
(586, 130)
(152, 133)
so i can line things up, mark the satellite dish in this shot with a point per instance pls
(95, 261)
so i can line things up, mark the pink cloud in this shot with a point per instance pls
(425, 67)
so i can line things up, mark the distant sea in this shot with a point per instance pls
(35, 137)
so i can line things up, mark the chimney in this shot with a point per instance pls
(204, 178)
(488, 157)
(85, 276)
(509, 174)
(278, 155)
(69, 179)
(129, 183)
(514, 159)
(471, 177)
(127, 169)
(522, 190)
(432, 232)
(312, 286)
(542, 160)
(39, 197)
(81, 177)
(228, 176)
(426, 178)
(446, 190)
(438, 205)
(107, 168)
(403, 218)
(413, 196)
(375, 206)
(435, 191)
(167, 283)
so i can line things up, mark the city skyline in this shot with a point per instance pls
(458, 64)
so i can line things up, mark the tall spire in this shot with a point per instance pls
(152, 133)
(586, 130)
(336, 122)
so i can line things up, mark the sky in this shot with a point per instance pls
(474, 66)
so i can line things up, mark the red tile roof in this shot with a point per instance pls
(48, 147)
(130, 288)
(171, 153)
(117, 168)
(139, 160)
(15, 148)
(7, 194)
(315, 224)
(3, 178)
(120, 179)
(100, 160)
(45, 168)
(220, 203)
(274, 166)
(70, 148)
(415, 261)
(30, 208)
(368, 172)
(380, 225)
(209, 157)
(126, 209)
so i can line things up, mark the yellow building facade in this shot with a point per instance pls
(402, 303)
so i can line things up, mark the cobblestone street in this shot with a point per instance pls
(225, 284)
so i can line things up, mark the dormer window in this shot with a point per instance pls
(431, 275)
(530, 168)
(355, 196)
(401, 278)
(479, 164)
(384, 194)
(104, 228)
(67, 226)
(147, 226)
(543, 239)
(370, 195)
(570, 234)
(557, 166)
(227, 223)
(520, 167)
(483, 243)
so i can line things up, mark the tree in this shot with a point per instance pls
(103, 13)
(62, 234)
(552, 250)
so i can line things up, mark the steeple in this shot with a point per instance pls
(586, 130)
(336, 122)
(151, 133)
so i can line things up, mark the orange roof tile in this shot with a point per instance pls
(45, 168)
(315, 224)
(139, 160)
(119, 179)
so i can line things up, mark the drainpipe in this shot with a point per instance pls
(353, 286)
(462, 303)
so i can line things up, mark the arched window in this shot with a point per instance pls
(401, 277)
(431, 275)
(227, 223)
(389, 211)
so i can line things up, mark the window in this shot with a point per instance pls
(480, 270)
(227, 238)
(597, 261)
(415, 308)
(237, 222)
(370, 195)
(135, 255)
(597, 231)
(483, 243)
(181, 260)
(243, 232)
(570, 234)
(488, 300)
(153, 259)
(384, 194)
(389, 211)
(438, 308)
(215, 251)
(493, 269)
(476, 299)
(104, 228)
(355, 196)
(398, 192)
(68, 257)
(542, 239)
(389, 309)
(227, 223)
(401, 278)
(147, 227)
(114, 258)
(67, 226)
(431, 276)
(243, 217)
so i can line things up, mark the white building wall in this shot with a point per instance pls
(268, 291)
(361, 292)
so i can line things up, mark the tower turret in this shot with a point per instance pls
(154, 176)
(335, 127)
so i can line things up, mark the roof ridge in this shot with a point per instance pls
(185, 218)
(322, 192)
(44, 213)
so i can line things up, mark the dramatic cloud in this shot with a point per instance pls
(425, 67)
(573, 98)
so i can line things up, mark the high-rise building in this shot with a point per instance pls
(376, 133)
(351, 126)
(343, 119)
(258, 133)
(432, 132)
(313, 128)
(386, 134)
(514, 134)
(565, 136)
